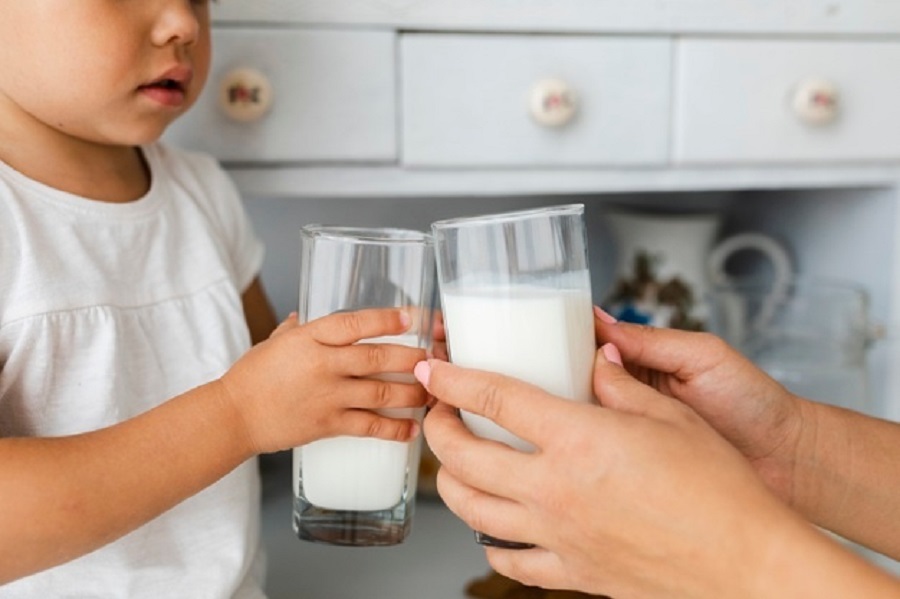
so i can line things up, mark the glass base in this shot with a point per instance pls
(350, 528)
(489, 541)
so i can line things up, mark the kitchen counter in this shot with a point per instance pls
(436, 561)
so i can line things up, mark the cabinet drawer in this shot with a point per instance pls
(466, 100)
(747, 101)
(332, 96)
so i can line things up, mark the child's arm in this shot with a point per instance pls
(258, 312)
(63, 497)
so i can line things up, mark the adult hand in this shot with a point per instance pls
(746, 406)
(837, 467)
(312, 381)
(645, 500)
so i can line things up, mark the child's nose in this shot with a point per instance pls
(177, 23)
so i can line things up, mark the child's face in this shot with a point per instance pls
(112, 72)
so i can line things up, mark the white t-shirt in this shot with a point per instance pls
(107, 310)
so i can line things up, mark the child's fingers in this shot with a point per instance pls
(374, 394)
(369, 359)
(345, 328)
(439, 332)
(285, 325)
(363, 423)
(439, 351)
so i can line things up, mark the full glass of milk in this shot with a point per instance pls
(516, 298)
(357, 491)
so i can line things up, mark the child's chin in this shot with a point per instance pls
(145, 136)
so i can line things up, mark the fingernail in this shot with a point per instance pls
(612, 353)
(422, 372)
(604, 315)
(414, 430)
(405, 319)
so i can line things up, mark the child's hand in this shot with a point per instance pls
(439, 334)
(308, 382)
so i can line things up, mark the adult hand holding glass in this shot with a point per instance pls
(642, 500)
(818, 458)
(746, 406)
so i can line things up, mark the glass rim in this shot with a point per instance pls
(507, 217)
(367, 235)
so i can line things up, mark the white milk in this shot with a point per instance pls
(357, 473)
(540, 335)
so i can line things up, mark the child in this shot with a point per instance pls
(129, 418)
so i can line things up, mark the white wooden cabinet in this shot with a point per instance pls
(465, 100)
(428, 97)
(332, 95)
(739, 101)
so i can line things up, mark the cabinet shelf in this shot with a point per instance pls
(301, 182)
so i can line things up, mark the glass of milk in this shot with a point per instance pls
(357, 491)
(516, 297)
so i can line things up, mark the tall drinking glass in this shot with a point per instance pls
(349, 490)
(516, 297)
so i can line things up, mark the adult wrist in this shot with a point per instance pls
(819, 448)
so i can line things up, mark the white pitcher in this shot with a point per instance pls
(667, 262)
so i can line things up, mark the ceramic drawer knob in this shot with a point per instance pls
(245, 94)
(552, 103)
(816, 101)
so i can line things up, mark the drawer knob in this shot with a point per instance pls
(552, 103)
(816, 101)
(245, 94)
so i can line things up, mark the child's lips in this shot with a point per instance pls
(165, 93)
(171, 88)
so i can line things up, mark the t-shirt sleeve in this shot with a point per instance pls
(221, 201)
(246, 250)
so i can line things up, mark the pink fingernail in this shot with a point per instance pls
(604, 315)
(612, 353)
(422, 372)
(405, 319)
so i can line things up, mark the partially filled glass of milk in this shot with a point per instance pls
(357, 491)
(516, 298)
